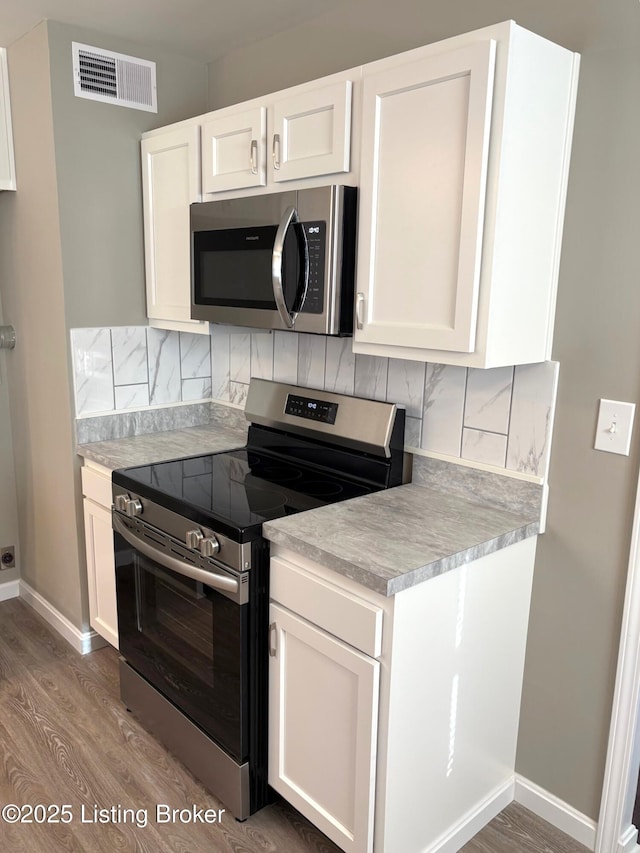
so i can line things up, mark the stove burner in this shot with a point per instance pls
(280, 473)
(322, 489)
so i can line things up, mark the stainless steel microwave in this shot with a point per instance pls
(276, 261)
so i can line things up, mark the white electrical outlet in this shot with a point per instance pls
(615, 422)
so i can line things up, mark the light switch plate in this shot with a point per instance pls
(615, 422)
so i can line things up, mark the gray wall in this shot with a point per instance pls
(97, 153)
(32, 293)
(70, 255)
(582, 559)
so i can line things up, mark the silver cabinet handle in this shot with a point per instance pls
(360, 311)
(288, 317)
(275, 151)
(215, 581)
(254, 156)
(273, 635)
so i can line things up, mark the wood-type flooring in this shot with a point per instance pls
(67, 740)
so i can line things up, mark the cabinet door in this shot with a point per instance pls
(170, 182)
(233, 151)
(323, 715)
(312, 133)
(423, 175)
(101, 573)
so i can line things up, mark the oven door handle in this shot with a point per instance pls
(215, 581)
(288, 317)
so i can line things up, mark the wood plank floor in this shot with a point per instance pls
(65, 738)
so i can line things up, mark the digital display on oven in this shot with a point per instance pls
(315, 410)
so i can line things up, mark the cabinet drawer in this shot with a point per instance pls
(352, 619)
(96, 486)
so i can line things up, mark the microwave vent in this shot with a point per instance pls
(102, 75)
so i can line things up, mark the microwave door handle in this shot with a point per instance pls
(288, 317)
(220, 582)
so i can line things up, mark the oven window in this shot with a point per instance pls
(188, 641)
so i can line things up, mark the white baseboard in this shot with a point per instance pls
(9, 589)
(556, 812)
(82, 641)
(475, 820)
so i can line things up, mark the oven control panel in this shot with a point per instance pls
(313, 409)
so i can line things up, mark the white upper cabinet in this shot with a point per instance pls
(7, 164)
(460, 150)
(311, 133)
(426, 128)
(300, 134)
(170, 182)
(463, 173)
(233, 151)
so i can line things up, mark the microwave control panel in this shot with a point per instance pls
(316, 241)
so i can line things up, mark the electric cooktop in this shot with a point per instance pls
(239, 488)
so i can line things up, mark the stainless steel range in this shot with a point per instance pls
(192, 570)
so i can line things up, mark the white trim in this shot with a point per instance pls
(556, 812)
(471, 823)
(622, 733)
(9, 589)
(82, 641)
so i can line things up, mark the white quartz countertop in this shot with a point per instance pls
(387, 541)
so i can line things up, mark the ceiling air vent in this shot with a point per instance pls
(102, 75)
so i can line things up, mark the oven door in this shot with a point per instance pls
(186, 637)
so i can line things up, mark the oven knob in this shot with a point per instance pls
(133, 507)
(193, 538)
(120, 502)
(209, 546)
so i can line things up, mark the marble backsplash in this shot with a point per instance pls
(501, 417)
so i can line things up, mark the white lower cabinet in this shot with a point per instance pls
(324, 683)
(323, 725)
(101, 575)
(393, 720)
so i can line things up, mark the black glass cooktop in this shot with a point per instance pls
(235, 491)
